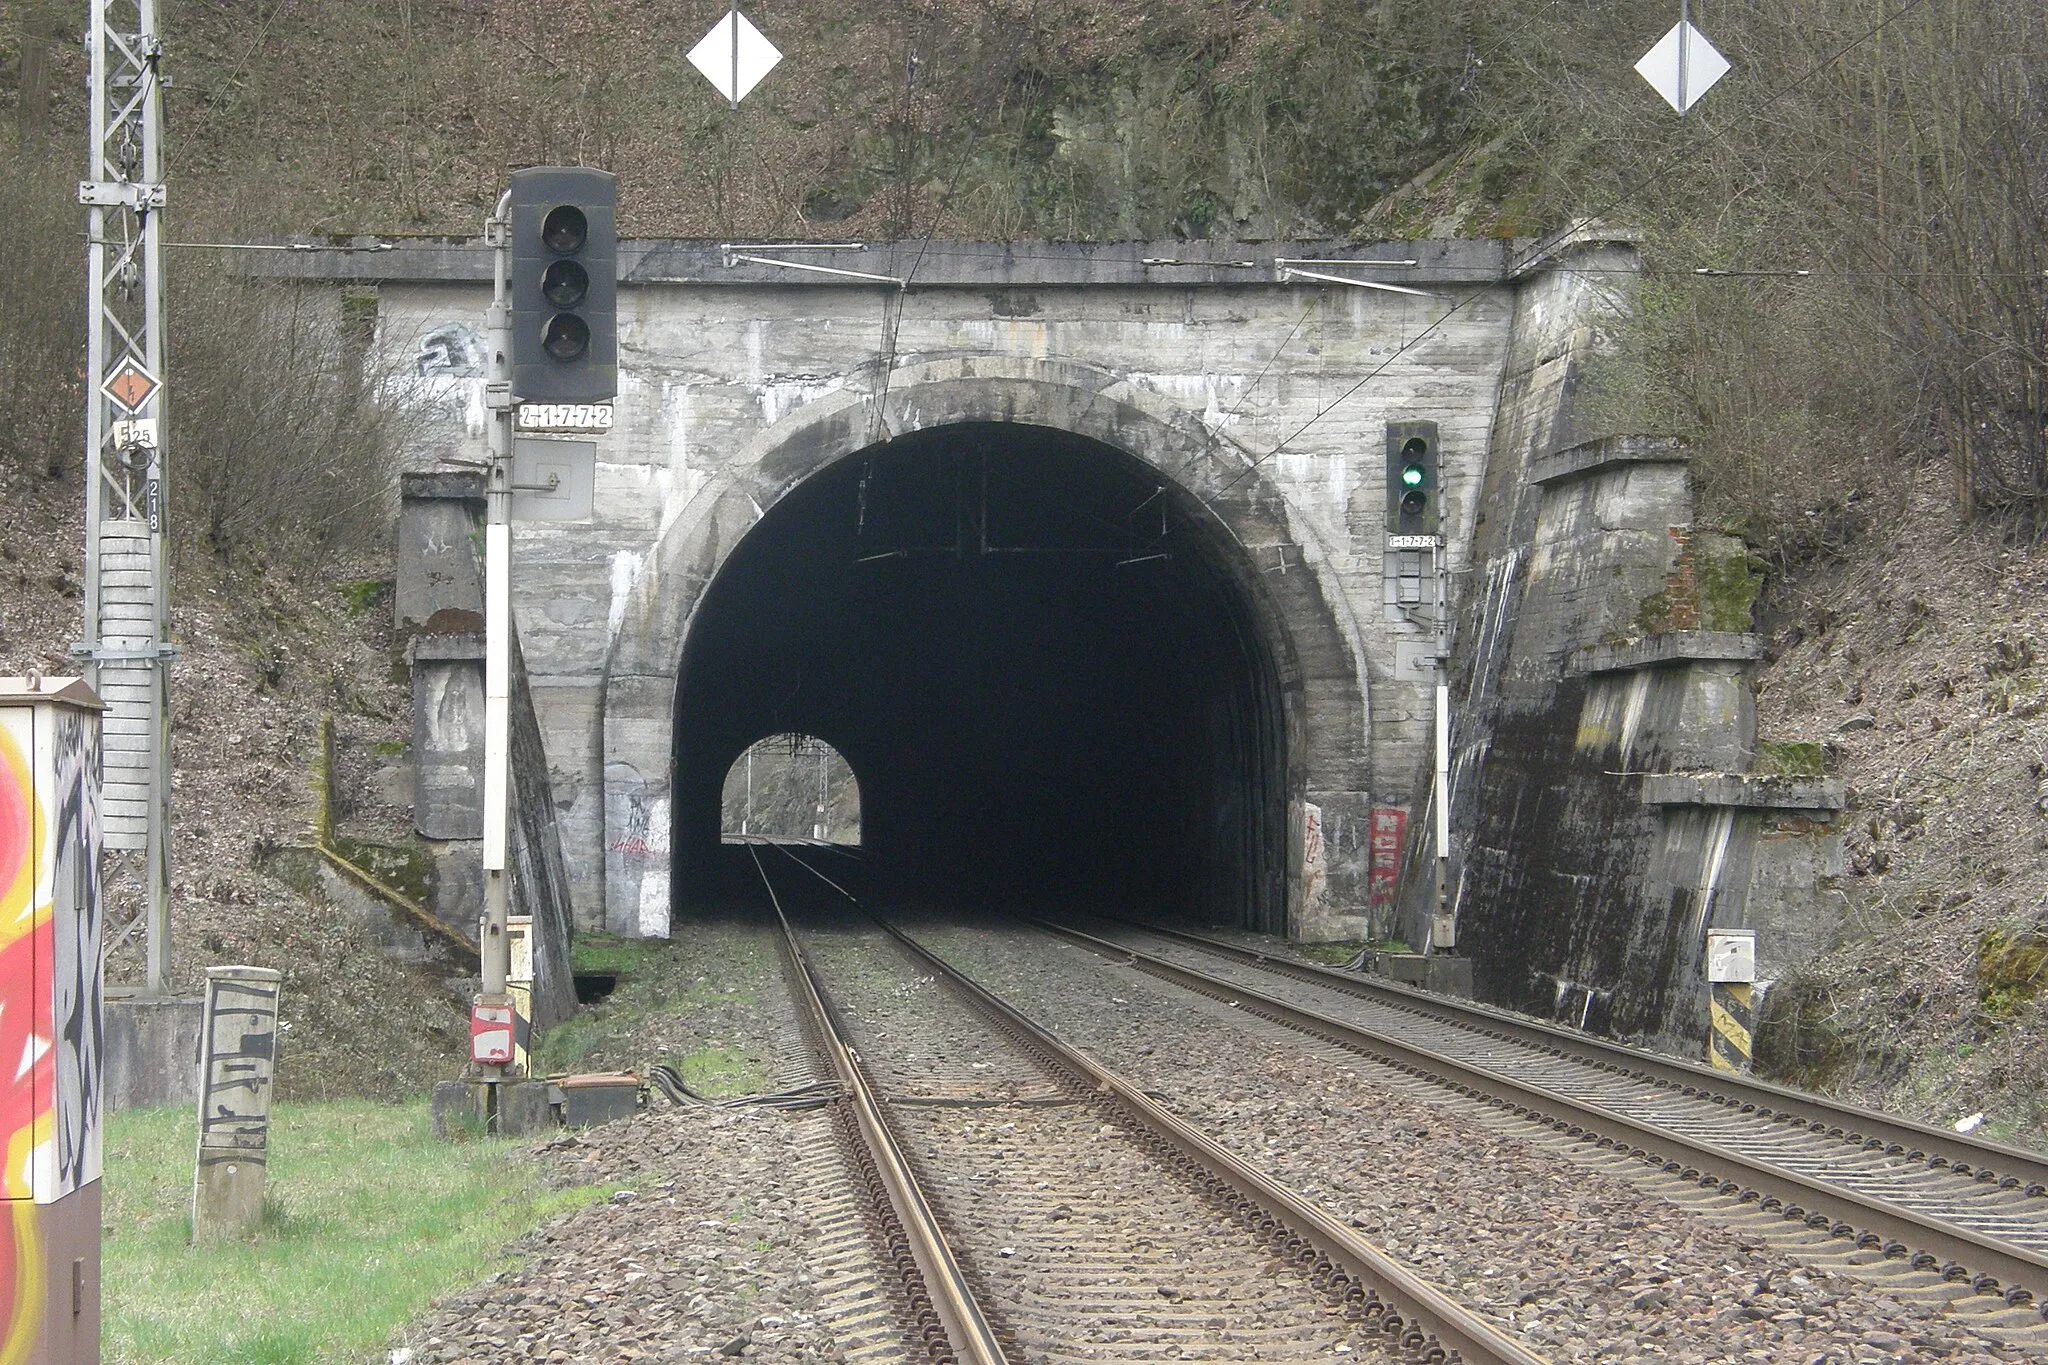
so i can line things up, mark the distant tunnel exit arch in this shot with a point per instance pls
(1244, 534)
(790, 787)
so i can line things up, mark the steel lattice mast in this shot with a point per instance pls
(127, 602)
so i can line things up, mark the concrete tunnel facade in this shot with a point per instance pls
(1252, 411)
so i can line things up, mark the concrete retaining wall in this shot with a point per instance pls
(439, 614)
(1602, 813)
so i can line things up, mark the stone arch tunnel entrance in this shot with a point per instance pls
(1045, 662)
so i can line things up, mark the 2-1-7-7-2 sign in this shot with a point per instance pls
(565, 417)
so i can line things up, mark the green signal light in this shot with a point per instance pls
(1412, 476)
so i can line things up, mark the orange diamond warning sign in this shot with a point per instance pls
(130, 385)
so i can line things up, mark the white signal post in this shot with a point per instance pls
(495, 949)
(1443, 931)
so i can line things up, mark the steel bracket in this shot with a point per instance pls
(103, 655)
(137, 195)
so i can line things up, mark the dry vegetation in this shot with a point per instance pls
(1870, 191)
(1920, 659)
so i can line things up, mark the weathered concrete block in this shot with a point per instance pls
(586, 1101)
(461, 1110)
(152, 1055)
(1601, 456)
(436, 562)
(468, 1109)
(1677, 646)
(526, 1109)
(448, 736)
(1750, 790)
(1410, 969)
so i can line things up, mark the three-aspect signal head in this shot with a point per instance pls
(565, 282)
(1413, 493)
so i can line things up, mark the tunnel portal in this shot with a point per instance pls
(1042, 662)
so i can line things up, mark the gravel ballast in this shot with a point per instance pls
(1583, 1266)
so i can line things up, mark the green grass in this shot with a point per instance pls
(671, 1003)
(721, 1071)
(616, 955)
(368, 1220)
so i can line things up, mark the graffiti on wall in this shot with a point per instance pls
(21, 852)
(637, 817)
(49, 992)
(1315, 866)
(1383, 876)
(74, 963)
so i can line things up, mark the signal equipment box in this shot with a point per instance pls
(50, 999)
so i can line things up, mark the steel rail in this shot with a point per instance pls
(1335, 1255)
(966, 1326)
(1985, 1160)
(1883, 1225)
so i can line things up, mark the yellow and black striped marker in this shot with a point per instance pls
(1732, 1011)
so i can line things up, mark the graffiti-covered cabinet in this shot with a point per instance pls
(49, 1022)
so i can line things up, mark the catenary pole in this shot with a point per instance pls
(126, 650)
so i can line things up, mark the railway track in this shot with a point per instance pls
(1926, 1209)
(1030, 1204)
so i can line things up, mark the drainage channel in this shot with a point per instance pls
(1083, 1218)
(1986, 1239)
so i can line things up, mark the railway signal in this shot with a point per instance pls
(1415, 528)
(565, 281)
(1412, 479)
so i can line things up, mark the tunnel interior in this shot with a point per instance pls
(1042, 662)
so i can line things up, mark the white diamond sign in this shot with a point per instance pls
(734, 56)
(1682, 84)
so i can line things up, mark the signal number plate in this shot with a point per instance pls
(565, 417)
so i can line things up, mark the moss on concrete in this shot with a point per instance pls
(1790, 758)
(1656, 615)
(406, 868)
(2012, 968)
(1727, 579)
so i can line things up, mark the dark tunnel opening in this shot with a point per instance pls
(1040, 659)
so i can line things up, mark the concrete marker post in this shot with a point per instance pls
(237, 1062)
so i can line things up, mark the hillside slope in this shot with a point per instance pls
(1919, 656)
(263, 654)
